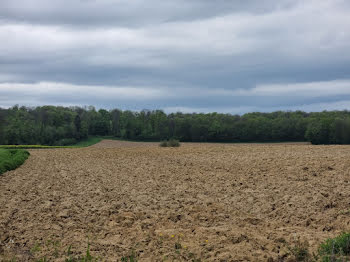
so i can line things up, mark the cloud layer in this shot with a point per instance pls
(191, 55)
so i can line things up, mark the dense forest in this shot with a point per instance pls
(51, 125)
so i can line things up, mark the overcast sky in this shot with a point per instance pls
(226, 56)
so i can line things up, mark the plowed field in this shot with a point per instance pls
(214, 202)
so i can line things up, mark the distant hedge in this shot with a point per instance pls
(10, 159)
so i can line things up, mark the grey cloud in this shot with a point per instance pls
(127, 13)
(196, 48)
(203, 99)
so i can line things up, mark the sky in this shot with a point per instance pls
(226, 56)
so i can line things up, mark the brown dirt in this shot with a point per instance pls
(221, 202)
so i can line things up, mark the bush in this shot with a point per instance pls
(163, 144)
(300, 251)
(335, 249)
(173, 143)
(170, 143)
(10, 159)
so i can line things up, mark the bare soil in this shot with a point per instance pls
(214, 202)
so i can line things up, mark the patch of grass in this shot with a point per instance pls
(170, 143)
(300, 251)
(10, 159)
(88, 142)
(35, 248)
(31, 147)
(86, 258)
(175, 249)
(331, 250)
(51, 250)
(344, 212)
(130, 258)
(335, 249)
(44, 259)
(178, 245)
(84, 143)
(130, 140)
(10, 260)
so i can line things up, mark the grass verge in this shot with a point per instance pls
(84, 143)
(335, 249)
(331, 250)
(88, 142)
(10, 159)
(31, 147)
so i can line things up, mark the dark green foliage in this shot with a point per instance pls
(50, 125)
(66, 142)
(300, 252)
(33, 147)
(341, 131)
(87, 142)
(69, 143)
(170, 143)
(163, 144)
(336, 249)
(10, 159)
(318, 132)
(331, 250)
(173, 143)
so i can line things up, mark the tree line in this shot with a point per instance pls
(55, 125)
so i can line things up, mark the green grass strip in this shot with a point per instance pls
(10, 159)
(335, 249)
(88, 142)
(31, 147)
(84, 143)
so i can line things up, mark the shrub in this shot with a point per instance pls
(163, 144)
(10, 159)
(173, 143)
(300, 251)
(170, 143)
(335, 249)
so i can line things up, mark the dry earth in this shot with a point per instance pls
(221, 202)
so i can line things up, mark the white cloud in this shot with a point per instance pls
(313, 107)
(60, 93)
(329, 106)
(309, 89)
(217, 109)
(299, 96)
